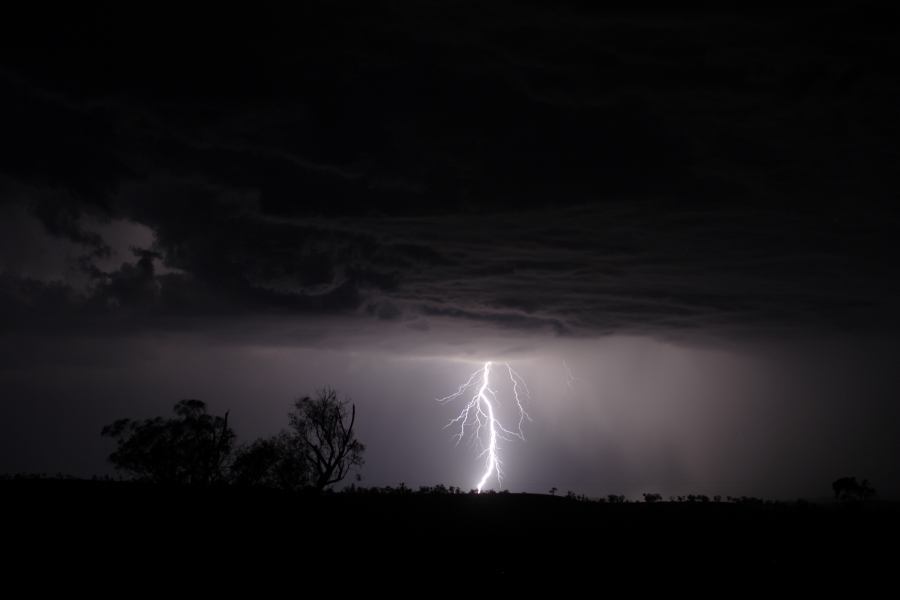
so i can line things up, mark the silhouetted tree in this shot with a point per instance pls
(866, 491)
(651, 498)
(191, 448)
(325, 437)
(277, 462)
(848, 488)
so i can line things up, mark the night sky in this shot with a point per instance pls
(696, 212)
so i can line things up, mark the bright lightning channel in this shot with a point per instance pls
(479, 420)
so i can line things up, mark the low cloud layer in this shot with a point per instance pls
(574, 271)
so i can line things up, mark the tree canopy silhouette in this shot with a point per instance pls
(325, 436)
(191, 448)
(277, 462)
(848, 488)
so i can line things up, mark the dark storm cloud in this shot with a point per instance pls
(563, 169)
(594, 270)
(243, 205)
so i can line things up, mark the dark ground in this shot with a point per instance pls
(103, 531)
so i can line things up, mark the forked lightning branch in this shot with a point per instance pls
(479, 419)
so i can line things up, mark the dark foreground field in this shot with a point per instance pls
(84, 530)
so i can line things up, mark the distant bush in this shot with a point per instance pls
(747, 500)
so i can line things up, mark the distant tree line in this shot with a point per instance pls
(846, 489)
(318, 448)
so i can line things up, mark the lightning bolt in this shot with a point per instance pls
(478, 419)
(570, 378)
